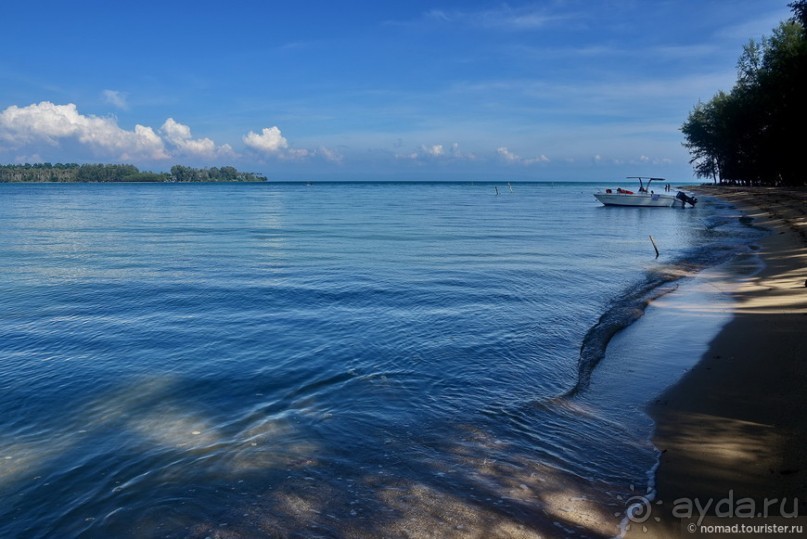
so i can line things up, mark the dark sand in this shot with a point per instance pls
(734, 429)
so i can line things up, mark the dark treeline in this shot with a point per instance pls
(73, 172)
(180, 173)
(754, 134)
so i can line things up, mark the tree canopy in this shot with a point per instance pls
(73, 172)
(752, 134)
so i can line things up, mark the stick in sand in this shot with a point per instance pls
(654, 245)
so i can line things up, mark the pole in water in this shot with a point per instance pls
(497, 190)
(654, 245)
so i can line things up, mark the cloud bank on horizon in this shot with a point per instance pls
(525, 90)
(53, 125)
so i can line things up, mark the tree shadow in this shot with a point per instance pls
(139, 462)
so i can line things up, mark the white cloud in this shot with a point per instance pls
(456, 153)
(116, 99)
(28, 131)
(434, 151)
(514, 158)
(534, 160)
(51, 123)
(270, 141)
(644, 159)
(33, 158)
(437, 152)
(330, 155)
(296, 153)
(176, 132)
(500, 18)
(507, 155)
(179, 135)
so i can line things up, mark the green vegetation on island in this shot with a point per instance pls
(753, 134)
(73, 172)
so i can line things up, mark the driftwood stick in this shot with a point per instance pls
(654, 245)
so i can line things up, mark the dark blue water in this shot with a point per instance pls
(326, 360)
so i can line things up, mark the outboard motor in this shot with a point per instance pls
(685, 198)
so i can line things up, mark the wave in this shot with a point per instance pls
(632, 302)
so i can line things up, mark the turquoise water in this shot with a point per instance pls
(335, 360)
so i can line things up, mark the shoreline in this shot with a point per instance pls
(733, 428)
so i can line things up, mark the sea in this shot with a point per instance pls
(354, 359)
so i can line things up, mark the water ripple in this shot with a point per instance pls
(337, 360)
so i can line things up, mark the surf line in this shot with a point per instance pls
(616, 318)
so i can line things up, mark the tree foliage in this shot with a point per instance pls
(750, 134)
(181, 173)
(73, 172)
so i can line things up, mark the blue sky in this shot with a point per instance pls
(340, 90)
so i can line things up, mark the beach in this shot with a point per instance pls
(731, 432)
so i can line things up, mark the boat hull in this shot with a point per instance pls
(649, 200)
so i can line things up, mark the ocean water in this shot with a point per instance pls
(340, 360)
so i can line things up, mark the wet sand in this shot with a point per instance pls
(733, 431)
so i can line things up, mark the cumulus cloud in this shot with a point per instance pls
(179, 136)
(116, 99)
(51, 123)
(269, 141)
(27, 130)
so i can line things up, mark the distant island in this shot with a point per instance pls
(73, 172)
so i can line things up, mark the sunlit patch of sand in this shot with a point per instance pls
(173, 427)
(503, 495)
(784, 292)
(272, 443)
(20, 459)
(511, 496)
(127, 403)
(729, 439)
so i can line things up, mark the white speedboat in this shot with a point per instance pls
(645, 196)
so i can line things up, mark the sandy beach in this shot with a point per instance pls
(733, 431)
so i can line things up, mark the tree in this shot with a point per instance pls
(782, 89)
(180, 173)
(710, 132)
(799, 9)
(700, 140)
(748, 134)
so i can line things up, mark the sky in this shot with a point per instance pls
(549, 90)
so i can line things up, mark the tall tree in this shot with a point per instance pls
(799, 9)
(749, 134)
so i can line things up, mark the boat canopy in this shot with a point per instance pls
(642, 188)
